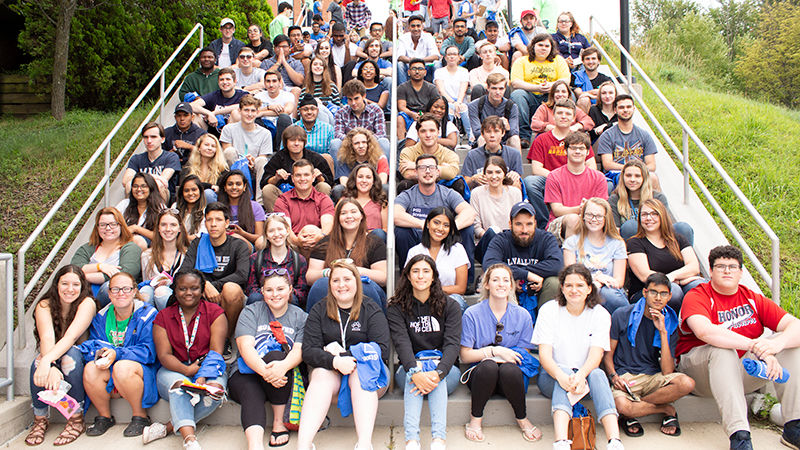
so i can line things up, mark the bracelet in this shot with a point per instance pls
(98, 267)
(492, 349)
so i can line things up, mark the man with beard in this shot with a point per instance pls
(530, 26)
(534, 256)
(587, 80)
(203, 80)
(459, 39)
(416, 44)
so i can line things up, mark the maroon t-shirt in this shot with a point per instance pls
(170, 320)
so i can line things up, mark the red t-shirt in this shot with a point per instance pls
(440, 8)
(304, 211)
(569, 189)
(745, 313)
(550, 151)
(411, 5)
(170, 320)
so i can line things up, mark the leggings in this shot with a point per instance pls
(489, 377)
(251, 391)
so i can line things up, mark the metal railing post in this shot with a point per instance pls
(161, 99)
(9, 259)
(685, 140)
(107, 171)
(20, 298)
(775, 286)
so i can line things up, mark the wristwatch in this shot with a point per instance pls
(414, 370)
(611, 377)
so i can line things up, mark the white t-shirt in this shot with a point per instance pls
(256, 142)
(256, 76)
(446, 262)
(123, 205)
(284, 98)
(412, 132)
(572, 336)
(452, 81)
(479, 75)
(225, 55)
(338, 53)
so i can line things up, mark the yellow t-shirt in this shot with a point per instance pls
(539, 72)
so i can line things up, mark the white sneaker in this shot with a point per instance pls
(562, 445)
(191, 445)
(413, 445)
(438, 444)
(615, 444)
(153, 432)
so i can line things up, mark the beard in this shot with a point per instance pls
(522, 242)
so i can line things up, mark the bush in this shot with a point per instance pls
(117, 47)
(770, 64)
(647, 14)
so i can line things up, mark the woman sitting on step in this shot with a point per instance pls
(161, 262)
(207, 162)
(191, 205)
(189, 335)
(61, 318)
(141, 208)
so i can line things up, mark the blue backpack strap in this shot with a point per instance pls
(518, 30)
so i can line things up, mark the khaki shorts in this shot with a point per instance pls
(555, 227)
(643, 385)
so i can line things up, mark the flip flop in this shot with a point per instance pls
(274, 437)
(475, 431)
(627, 423)
(671, 421)
(528, 434)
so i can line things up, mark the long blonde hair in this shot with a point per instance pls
(512, 297)
(217, 165)
(645, 192)
(609, 229)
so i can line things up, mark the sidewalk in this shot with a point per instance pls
(694, 436)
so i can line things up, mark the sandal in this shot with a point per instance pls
(477, 433)
(529, 434)
(671, 421)
(74, 428)
(100, 426)
(36, 435)
(275, 435)
(136, 427)
(628, 424)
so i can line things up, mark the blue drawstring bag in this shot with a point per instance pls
(529, 300)
(242, 166)
(190, 97)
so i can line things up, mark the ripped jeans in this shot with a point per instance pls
(71, 366)
(181, 410)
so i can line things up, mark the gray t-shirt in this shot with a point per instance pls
(256, 76)
(254, 321)
(418, 205)
(597, 259)
(623, 147)
(416, 100)
(256, 142)
(336, 12)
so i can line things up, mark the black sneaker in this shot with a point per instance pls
(791, 434)
(740, 440)
(227, 354)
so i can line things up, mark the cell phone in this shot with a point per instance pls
(231, 227)
(630, 392)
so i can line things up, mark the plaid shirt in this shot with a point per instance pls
(357, 16)
(298, 274)
(371, 119)
(319, 138)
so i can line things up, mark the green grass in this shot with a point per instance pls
(757, 145)
(39, 157)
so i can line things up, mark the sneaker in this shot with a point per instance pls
(791, 434)
(615, 444)
(413, 445)
(191, 445)
(562, 445)
(438, 444)
(740, 440)
(227, 353)
(154, 432)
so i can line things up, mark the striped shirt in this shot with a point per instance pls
(319, 137)
(334, 97)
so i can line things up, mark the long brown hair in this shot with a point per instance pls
(331, 307)
(244, 213)
(157, 245)
(551, 96)
(404, 294)
(376, 193)
(645, 192)
(325, 84)
(125, 234)
(665, 229)
(52, 301)
(337, 247)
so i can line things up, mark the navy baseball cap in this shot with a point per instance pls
(522, 206)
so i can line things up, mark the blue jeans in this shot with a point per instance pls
(534, 187)
(101, 294)
(379, 233)
(613, 298)
(71, 366)
(527, 102)
(460, 300)
(630, 227)
(319, 290)
(159, 301)
(678, 292)
(181, 410)
(483, 244)
(211, 195)
(437, 404)
(599, 390)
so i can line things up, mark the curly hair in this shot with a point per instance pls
(376, 192)
(347, 154)
(52, 301)
(404, 293)
(208, 172)
(592, 299)
(154, 203)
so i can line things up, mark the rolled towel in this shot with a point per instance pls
(758, 369)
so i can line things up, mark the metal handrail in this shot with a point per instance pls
(23, 289)
(771, 279)
(390, 241)
(8, 381)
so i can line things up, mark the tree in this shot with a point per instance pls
(647, 14)
(736, 19)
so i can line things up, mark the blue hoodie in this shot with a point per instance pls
(543, 257)
(138, 346)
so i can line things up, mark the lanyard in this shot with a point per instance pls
(343, 329)
(189, 341)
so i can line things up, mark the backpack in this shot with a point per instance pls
(506, 110)
(260, 258)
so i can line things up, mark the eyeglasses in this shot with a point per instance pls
(245, 56)
(108, 226)
(651, 214)
(663, 295)
(427, 168)
(594, 217)
(124, 289)
(139, 187)
(497, 337)
(727, 267)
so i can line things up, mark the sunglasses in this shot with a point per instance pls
(497, 337)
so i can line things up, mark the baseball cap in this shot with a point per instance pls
(527, 12)
(522, 206)
(183, 107)
(226, 21)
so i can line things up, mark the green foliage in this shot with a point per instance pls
(116, 47)
(770, 64)
(647, 14)
(736, 19)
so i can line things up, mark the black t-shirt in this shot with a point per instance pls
(644, 358)
(599, 119)
(416, 100)
(660, 259)
(598, 80)
(265, 45)
(376, 250)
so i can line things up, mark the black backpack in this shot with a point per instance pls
(260, 258)
(506, 111)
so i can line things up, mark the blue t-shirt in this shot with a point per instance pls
(624, 147)
(419, 205)
(141, 163)
(216, 98)
(644, 358)
(374, 94)
(476, 159)
(479, 326)
(597, 259)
